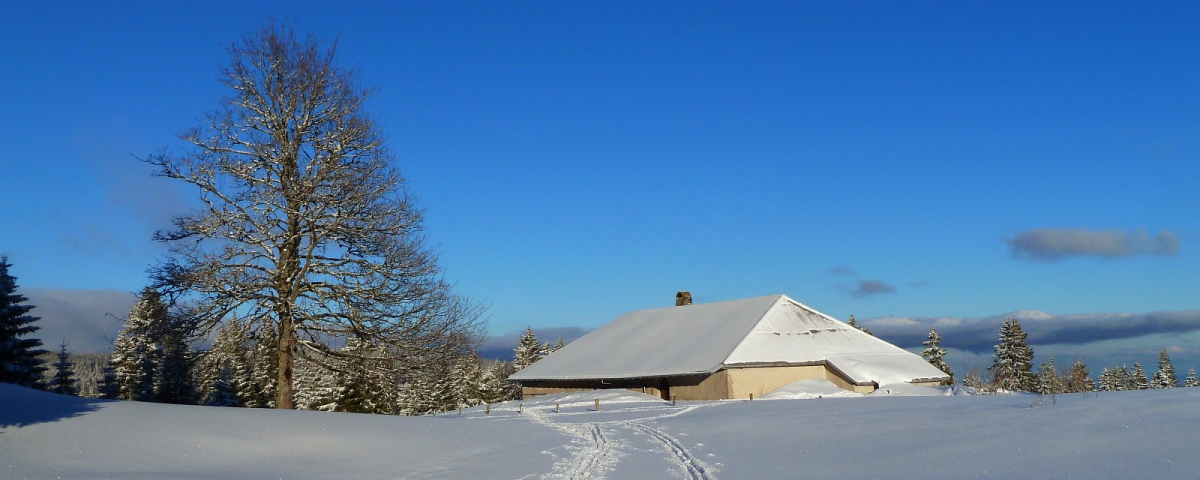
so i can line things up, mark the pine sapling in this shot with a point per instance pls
(1191, 380)
(64, 380)
(935, 355)
(1165, 376)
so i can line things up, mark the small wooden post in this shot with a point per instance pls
(460, 410)
(434, 413)
(488, 408)
(672, 399)
(597, 404)
(555, 407)
(751, 397)
(520, 409)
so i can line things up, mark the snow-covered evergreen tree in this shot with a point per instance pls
(263, 372)
(467, 381)
(558, 345)
(528, 350)
(222, 393)
(1048, 382)
(218, 369)
(442, 394)
(151, 358)
(1191, 380)
(496, 387)
(173, 376)
(429, 391)
(1165, 376)
(414, 396)
(1107, 381)
(935, 355)
(108, 387)
(316, 386)
(64, 380)
(134, 352)
(1012, 360)
(19, 362)
(1125, 378)
(854, 323)
(1138, 378)
(366, 382)
(1077, 379)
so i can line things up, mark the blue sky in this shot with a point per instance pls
(580, 160)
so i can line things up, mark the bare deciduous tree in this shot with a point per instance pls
(305, 222)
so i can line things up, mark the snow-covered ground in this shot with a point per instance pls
(1144, 434)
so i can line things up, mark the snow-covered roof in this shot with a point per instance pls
(704, 338)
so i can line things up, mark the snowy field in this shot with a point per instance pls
(800, 433)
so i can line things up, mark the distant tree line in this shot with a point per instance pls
(153, 360)
(1012, 369)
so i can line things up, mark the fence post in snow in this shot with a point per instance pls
(597, 404)
(488, 408)
(460, 410)
(520, 409)
(672, 399)
(751, 397)
(555, 407)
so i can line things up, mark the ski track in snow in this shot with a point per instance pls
(596, 454)
(696, 469)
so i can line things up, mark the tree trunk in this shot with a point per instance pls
(287, 349)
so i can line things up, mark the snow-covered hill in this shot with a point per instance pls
(1145, 434)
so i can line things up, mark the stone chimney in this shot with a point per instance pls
(683, 298)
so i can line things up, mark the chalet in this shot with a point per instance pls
(724, 350)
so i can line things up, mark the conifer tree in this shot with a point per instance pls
(108, 387)
(854, 323)
(151, 359)
(558, 346)
(1139, 378)
(367, 383)
(496, 387)
(220, 367)
(264, 369)
(173, 373)
(528, 350)
(415, 395)
(1048, 382)
(64, 380)
(467, 381)
(222, 393)
(1191, 380)
(1012, 360)
(316, 386)
(1165, 376)
(1107, 381)
(432, 390)
(442, 394)
(935, 355)
(1125, 380)
(1077, 380)
(134, 356)
(19, 362)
